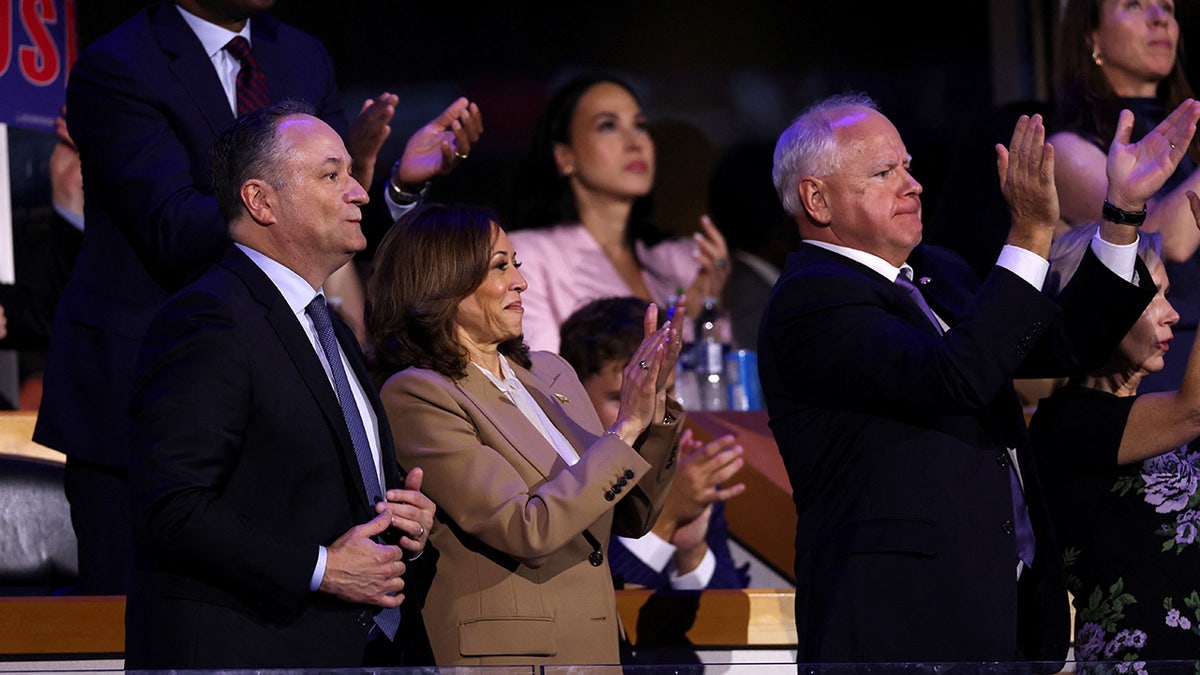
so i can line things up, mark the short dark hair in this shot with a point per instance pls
(603, 330)
(429, 261)
(247, 149)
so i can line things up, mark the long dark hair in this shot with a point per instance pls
(1084, 100)
(543, 195)
(429, 261)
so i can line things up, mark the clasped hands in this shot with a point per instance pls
(700, 481)
(361, 570)
(646, 377)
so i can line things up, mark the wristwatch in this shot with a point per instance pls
(404, 194)
(1114, 215)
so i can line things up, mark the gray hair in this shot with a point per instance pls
(1067, 252)
(808, 146)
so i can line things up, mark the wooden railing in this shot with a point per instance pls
(68, 626)
(762, 519)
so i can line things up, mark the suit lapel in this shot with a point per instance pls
(543, 391)
(300, 349)
(192, 68)
(510, 422)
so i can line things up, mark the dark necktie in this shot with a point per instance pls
(388, 619)
(252, 93)
(1022, 525)
(914, 293)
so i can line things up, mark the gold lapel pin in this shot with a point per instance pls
(562, 398)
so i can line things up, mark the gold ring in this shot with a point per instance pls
(643, 365)
(460, 155)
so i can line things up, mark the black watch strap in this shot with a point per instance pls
(1121, 217)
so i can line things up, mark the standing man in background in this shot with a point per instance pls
(145, 103)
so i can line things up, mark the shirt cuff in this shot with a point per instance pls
(318, 574)
(75, 219)
(699, 578)
(397, 210)
(1026, 264)
(651, 549)
(1120, 258)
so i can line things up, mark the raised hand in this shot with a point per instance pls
(367, 134)
(704, 470)
(713, 256)
(1026, 169)
(436, 148)
(1136, 171)
(641, 394)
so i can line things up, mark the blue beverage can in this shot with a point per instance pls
(741, 369)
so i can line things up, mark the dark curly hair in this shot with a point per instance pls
(429, 261)
(603, 330)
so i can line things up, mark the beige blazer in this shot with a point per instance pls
(514, 584)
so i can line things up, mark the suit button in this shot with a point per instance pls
(609, 496)
(364, 618)
(1008, 527)
(616, 489)
(629, 474)
(621, 481)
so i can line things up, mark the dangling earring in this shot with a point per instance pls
(1096, 56)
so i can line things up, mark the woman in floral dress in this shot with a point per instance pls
(1122, 484)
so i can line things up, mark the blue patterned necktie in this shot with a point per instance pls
(1023, 528)
(388, 620)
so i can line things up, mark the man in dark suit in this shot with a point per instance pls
(258, 544)
(902, 436)
(144, 104)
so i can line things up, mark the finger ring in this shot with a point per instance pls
(722, 263)
(460, 155)
(422, 532)
(1172, 146)
(643, 365)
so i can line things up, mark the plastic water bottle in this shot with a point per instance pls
(712, 343)
(687, 387)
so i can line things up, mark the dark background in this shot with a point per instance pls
(952, 75)
(731, 70)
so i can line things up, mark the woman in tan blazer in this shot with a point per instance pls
(529, 485)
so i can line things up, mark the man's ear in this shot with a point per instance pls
(259, 199)
(812, 198)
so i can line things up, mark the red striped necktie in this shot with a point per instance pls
(252, 93)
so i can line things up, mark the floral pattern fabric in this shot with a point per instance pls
(1128, 533)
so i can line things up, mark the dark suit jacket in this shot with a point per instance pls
(242, 467)
(144, 105)
(630, 571)
(894, 440)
